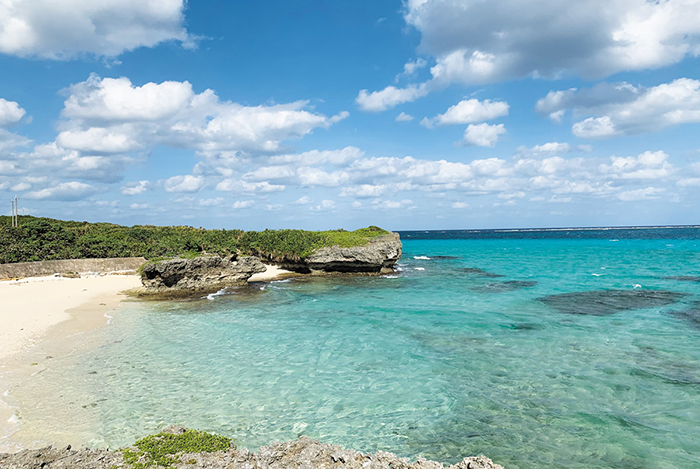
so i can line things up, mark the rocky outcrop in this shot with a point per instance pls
(378, 256)
(303, 453)
(181, 277)
(205, 273)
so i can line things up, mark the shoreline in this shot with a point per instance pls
(46, 317)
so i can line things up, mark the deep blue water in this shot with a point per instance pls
(463, 351)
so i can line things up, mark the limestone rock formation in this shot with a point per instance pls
(303, 453)
(379, 256)
(204, 273)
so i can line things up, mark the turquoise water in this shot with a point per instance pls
(436, 361)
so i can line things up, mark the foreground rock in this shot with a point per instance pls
(301, 454)
(379, 256)
(201, 274)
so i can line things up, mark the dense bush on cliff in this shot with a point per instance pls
(39, 239)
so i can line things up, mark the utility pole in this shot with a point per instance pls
(15, 212)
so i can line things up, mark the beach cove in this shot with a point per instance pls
(498, 367)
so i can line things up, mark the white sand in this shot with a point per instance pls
(273, 272)
(30, 307)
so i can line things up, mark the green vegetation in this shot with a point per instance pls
(158, 450)
(39, 239)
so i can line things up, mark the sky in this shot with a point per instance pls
(416, 114)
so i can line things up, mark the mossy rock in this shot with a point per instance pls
(161, 450)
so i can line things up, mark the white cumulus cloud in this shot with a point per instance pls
(475, 42)
(10, 112)
(625, 109)
(64, 29)
(483, 135)
(389, 97)
(469, 111)
(66, 191)
(186, 183)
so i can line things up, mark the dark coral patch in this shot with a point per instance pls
(608, 302)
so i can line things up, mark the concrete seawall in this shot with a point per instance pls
(43, 268)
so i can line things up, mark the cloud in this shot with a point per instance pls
(55, 29)
(469, 111)
(475, 43)
(325, 206)
(135, 188)
(10, 112)
(316, 157)
(389, 97)
(648, 165)
(241, 204)
(113, 115)
(232, 185)
(9, 140)
(317, 177)
(213, 202)
(548, 149)
(460, 205)
(624, 109)
(65, 191)
(640, 194)
(108, 124)
(186, 183)
(403, 117)
(136, 206)
(411, 67)
(483, 135)
(304, 200)
(391, 204)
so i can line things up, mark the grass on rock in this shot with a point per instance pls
(160, 450)
(40, 239)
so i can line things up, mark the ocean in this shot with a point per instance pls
(538, 348)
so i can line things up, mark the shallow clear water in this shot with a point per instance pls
(442, 362)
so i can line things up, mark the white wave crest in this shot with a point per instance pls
(422, 258)
(211, 296)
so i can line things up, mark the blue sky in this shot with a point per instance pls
(424, 114)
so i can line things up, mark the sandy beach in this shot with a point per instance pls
(273, 272)
(30, 307)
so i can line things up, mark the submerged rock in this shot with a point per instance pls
(378, 256)
(480, 273)
(500, 287)
(691, 315)
(205, 273)
(684, 278)
(608, 302)
(303, 453)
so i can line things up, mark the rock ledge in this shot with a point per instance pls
(303, 453)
